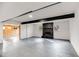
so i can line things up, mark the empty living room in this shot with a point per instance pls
(39, 29)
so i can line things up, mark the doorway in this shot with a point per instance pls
(11, 33)
(48, 30)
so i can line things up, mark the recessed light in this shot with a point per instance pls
(30, 16)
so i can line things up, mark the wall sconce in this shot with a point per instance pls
(56, 28)
(3, 28)
(15, 27)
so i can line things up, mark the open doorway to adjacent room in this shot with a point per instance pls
(11, 32)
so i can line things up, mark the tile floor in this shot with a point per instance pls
(1, 46)
(38, 47)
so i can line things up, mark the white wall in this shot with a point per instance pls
(1, 32)
(63, 31)
(29, 30)
(34, 29)
(74, 31)
(23, 31)
(37, 30)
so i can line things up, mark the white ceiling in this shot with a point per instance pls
(15, 9)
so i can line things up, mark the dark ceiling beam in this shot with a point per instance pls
(33, 11)
(71, 15)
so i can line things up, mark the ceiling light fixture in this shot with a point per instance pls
(30, 16)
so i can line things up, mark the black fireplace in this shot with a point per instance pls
(47, 30)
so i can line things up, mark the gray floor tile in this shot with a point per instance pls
(39, 47)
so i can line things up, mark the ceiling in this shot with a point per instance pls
(15, 9)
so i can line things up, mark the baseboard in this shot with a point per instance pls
(61, 39)
(58, 39)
